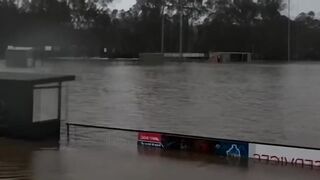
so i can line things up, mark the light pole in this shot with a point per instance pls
(180, 33)
(162, 28)
(289, 30)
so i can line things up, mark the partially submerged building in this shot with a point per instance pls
(20, 56)
(162, 57)
(223, 57)
(219, 57)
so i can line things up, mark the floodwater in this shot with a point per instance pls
(274, 103)
(38, 161)
(271, 103)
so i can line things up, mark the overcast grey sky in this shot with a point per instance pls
(297, 6)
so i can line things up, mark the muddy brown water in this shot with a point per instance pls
(272, 103)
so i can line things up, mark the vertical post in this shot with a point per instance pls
(59, 106)
(68, 132)
(289, 30)
(59, 101)
(162, 30)
(181, 32)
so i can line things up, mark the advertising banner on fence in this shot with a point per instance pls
(285, 155)
(225, 148)
(150, 139)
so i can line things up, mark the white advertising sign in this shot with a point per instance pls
(285, 155)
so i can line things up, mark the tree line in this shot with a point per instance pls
(91, 28)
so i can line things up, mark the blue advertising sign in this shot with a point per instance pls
(232, 149)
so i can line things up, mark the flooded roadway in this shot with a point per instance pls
(274, 103)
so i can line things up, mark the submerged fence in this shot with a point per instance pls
(265, 152)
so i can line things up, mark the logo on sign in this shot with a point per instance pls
(234, 151)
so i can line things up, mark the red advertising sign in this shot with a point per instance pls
(150, 137)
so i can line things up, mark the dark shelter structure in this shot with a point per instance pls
(31, 105)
